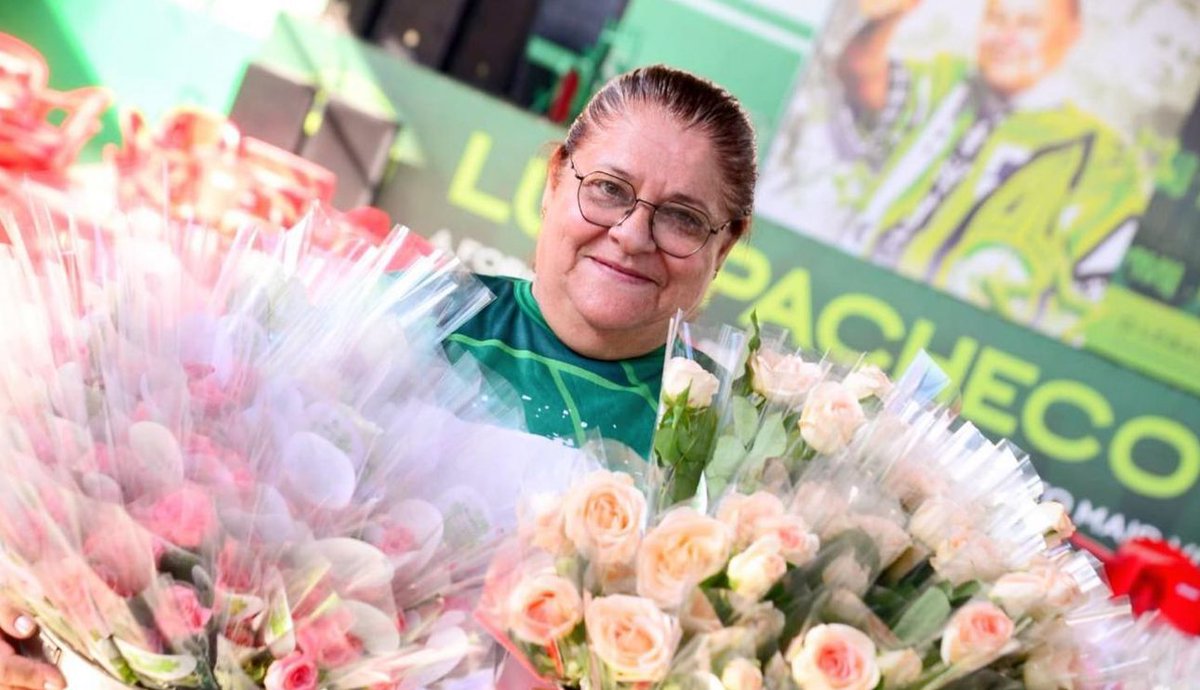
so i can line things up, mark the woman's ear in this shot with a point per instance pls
(554, 167)
(737, 230)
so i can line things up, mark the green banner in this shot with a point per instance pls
(1010, 163)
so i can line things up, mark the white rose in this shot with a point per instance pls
(933, 522)
(1018, 593)
(976, 634)
(831, 416)
(753, 571)
(817, 500)
(835, 657)
(797, 544)
(743, 514)
(681, 373)
(889, 538)
(632, 636)
(603, 517)
(867, 381)
(683, 551)
(742, 674)
(1062, 589)
(1053, 520)
(899, 668)
(969, 556)
(845, 572)
(1051, 668)
(544, 608)
(783, 379)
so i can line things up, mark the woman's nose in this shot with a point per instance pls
(635, 233)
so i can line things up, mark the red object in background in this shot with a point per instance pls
(196, 167)
(560, 107)
(41, 130)
(1157, 576)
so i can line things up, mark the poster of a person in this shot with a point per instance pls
(989, 148)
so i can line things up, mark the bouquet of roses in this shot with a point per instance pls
(860, 537)
(246, 464)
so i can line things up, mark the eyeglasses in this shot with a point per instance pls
(677, 229)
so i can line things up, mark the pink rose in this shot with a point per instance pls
(976, 634)
(184, 517)
(395, 540)
(831, 416)
(296, 671)
(797, 544)
(120, 553)
(179, 614)
(327, 640)
(544, 608)
(835, 657)
(237, 569)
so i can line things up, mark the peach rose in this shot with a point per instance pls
(796, 543)
(753, 571)
(742, 674)
(603, 517)
(867, 381)
(698, 614)
(899, 668)
(1018, 593)
(683, 551)
(831, 416)
(545, 528)
(682, 374)
(743, 514)
(544, 608)
(783, 379)
(632, 636)
(835, 657)
(976, 634)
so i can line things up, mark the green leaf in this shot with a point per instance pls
(965, 592)
(727, 458)
(924, 617)
(745, 420)
(159, 668)
(665, 446)
(771, 440)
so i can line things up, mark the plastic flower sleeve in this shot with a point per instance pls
(701, 365)
(272, 426)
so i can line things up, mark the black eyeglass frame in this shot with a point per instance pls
(712, 229)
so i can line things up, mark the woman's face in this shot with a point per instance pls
(614, 281)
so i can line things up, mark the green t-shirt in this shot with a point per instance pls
(566, 396)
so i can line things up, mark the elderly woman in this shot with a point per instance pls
(643, 202)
